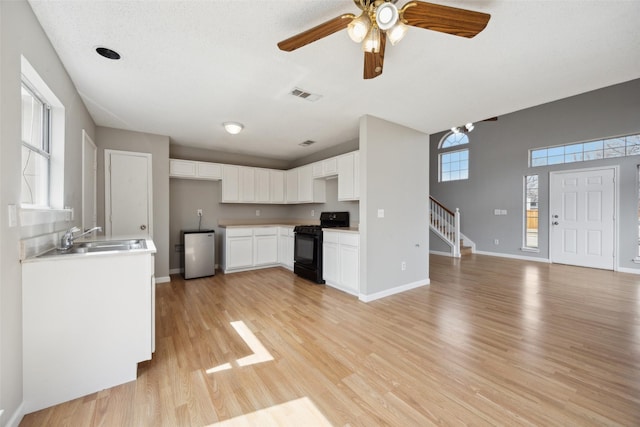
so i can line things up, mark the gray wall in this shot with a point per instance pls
(394, 176)
(186, 196)
(158, 146)
(20, 33)
(204, 155)
(498, 162)
(336, 150)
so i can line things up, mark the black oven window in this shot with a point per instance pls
(304, 248)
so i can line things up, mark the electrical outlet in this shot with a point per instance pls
(257, 212)
(199, 212)
(313, 212)
(496, 242)
(403, 266)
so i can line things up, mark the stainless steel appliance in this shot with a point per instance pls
(199, 253)
(307, 252)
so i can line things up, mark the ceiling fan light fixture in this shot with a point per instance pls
(233, 128)
(359, 27)
(469, 127)
(371, 43)
(386, 16)
(397, 32)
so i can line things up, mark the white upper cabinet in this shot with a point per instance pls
(292, 186)
(325, 168)
(349, 176)
(263, 185)
(230, 184)
(276, 186)
(247, 184)
(310, 190)
(195, 170)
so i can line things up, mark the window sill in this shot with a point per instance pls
(33, 216)
(533, 250)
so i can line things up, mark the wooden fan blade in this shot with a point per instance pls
(373, 61)
(445, 19)
(316, 33)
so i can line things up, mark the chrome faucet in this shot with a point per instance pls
(67, 239)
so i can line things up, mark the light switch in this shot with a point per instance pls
(13, 216)
(503, 212)
(496, 211)
(380, 213)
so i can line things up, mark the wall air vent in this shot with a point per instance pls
(299, 93)
(307, 143)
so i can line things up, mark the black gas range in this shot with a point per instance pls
(308, 245)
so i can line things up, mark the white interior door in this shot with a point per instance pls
(89, 175)
(128, 196)
(582, 206)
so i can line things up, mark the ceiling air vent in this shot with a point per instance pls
(297, 92)
(307, 143)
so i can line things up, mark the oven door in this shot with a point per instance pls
(306, 249)
(307, 256)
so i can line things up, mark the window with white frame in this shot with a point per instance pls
(531, 212)
(453, 162)
(621, 146)
(36, 148)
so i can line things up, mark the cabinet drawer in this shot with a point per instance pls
(330, 237)
(265, 231)
(350, 239)
(239, 232)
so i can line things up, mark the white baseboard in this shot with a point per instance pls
(17, 416)
(628, 270)
(520, 257)
(449, 254)
(393, 291)
(164, 279)
(175, 271)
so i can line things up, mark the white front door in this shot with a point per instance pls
(582, 207)
(128, 196)
(89, 174)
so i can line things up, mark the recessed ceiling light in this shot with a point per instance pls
(233, 127)
(108, 53)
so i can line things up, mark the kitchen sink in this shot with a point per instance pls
(98, 246)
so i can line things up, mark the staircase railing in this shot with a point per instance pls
(446, 224)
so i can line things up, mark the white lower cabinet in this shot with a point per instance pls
(265, 246)
(88, 320)
(341, 260)
(247, 248)
(285, 247)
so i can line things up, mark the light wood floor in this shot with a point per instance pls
(490, 342)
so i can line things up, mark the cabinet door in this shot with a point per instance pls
(239, 253)
(330, 166)
(182, 168)
(305, 184)
(349, 267)
(317, 170)
(276, 183)
(330, 263)
(263, 185)
(292, 186)
(345, 177)
(230, 184)
(266, 250)
(212, 171)
(247, 184)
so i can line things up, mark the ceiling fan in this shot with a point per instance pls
(381, 19)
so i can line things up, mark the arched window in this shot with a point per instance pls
(453, 162)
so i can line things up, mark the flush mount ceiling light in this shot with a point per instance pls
(233, 127)
(108, 53)
(380, 20)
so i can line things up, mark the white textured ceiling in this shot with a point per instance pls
(188, 66)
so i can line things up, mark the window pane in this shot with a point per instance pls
(531, 212)
(35, 178)
(454, 139)
(593, 145)
(454, 165)
(555, 151)
(556, 160)
(613, 152)
(536, 154)
(539, 162)
(32, 119)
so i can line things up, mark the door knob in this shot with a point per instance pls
(143, 227)
(555, 223)
(555, 216)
